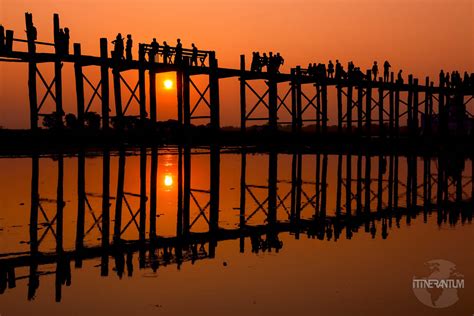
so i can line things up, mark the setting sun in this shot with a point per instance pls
(168, 84)
(168, 180)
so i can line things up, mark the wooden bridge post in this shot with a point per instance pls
(179, 92)
(391, 106)
(414, 187)
(349, 106)
(272, 187)
(214, 189)
(79, 77)
(324, 110)
(318, 107)
(81, 206)
(2, 39)
(104, 79)
(368, 103)
(58, 73)
(294, 115)
(33, 97)
(390, 183)
(298, 96)
(410, 104)
(360, 100)
(119, 196)
(143, 196)
(380, 172)
(117, 94)
(141, 83)
(381, 108)
(348, 184)
(186, 189)
(152, 87)
(409, 182)
(415, 106)
(442, 108)
(359, 184)
(395, 182)
(367, 184)
(427, 115)
(324, 185)
(339, 108)
(186, 94)
(272, 102)
(243, 188)
(339, 185)
(243, 99)
(214, 91)
(397, 111)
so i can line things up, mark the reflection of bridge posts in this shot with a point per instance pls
(179, 221)
(296, 190)
(119, 197)
(272, 187)
(339, 184)
(143, 196)
(348, 184)
(81, 206)
(243, 168)
(59, 228)
(359, 184)
(214, 198)
(367, 184)
(324, 185)
(186, 189)
(153, 188)
(33, 278)
(105, 212)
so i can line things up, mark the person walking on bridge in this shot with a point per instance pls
(154, 47)
(194, 56)
(166, 52)
(375, 70)
(386, 70)
(128, 47)
(178, 52)
(118, 47)
(330, 69)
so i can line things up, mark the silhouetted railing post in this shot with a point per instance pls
(79, 78)
(58, 73)
(368, 103)
(81, 206)
(318, 108)
(324, 109)
(360, 102)
(152, 88)
(33, 97)
(243, 99)
(179, 92)
(214, 91)
(141, 82)
(427, 110)
(104, 80)
(442, 112)
(397, 111)
(105, 212)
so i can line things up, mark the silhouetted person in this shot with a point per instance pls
(264, 61)
(279, 61)
(154, 47)
(466, 80)
(338, 70)
(447, 82)
(386, 71)
(128, 47)
(118, 47)
(66, 39)
(194, 56)
(178, 52)
(400, 77)
(166, 52)
(271, 63)
(441, 77)
(375, 70)
(254, 66)
(310, 70)
(350, 69)
(330, 69)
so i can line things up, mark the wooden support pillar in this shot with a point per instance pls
(381, 108)
(298, 191)
(391, 106)
(294, 185)
(410, 104)
(179, 92)
(324, 186)
(414, 186)
(426, 180)
(104, 79)
(272, 103)
(359, 184)
(79, 85)
(397, 112)
(390, 182)
(318, 108)
(409, 182)
(59, 227)
(119, 196)
(382, 161)
(81, 207)
(324, 110)
(33, 97)
(427, 114)
(294, 115)
(153, 189)
(33, 278)
(442, 109)
(318, 184)
(415, 106)
(141, 83)
(214, 91)
(368, 104)
(367, 185)
(395, 183)
(117, 94)
(186, 97)
(349, 107)
(339, 108)
(143, 196)
(215, 161)
(360, 100)
(2, 40)
(9, 41)
(243, 98)
(179, 220)
(105, 211)
(152, 87)
(58, 73)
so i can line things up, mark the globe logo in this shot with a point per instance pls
(439, 289)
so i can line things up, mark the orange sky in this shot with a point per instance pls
(416, 35)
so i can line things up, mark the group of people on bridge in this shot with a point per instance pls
(153, 50)
(272, 62)
(337, 71)
(455, 80)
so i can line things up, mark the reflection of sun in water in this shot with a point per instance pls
(168, 181)
(168, 84)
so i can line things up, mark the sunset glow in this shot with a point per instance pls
(168, 84)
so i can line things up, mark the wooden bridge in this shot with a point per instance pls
(364, 106)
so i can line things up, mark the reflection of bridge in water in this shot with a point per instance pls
(363, 201)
